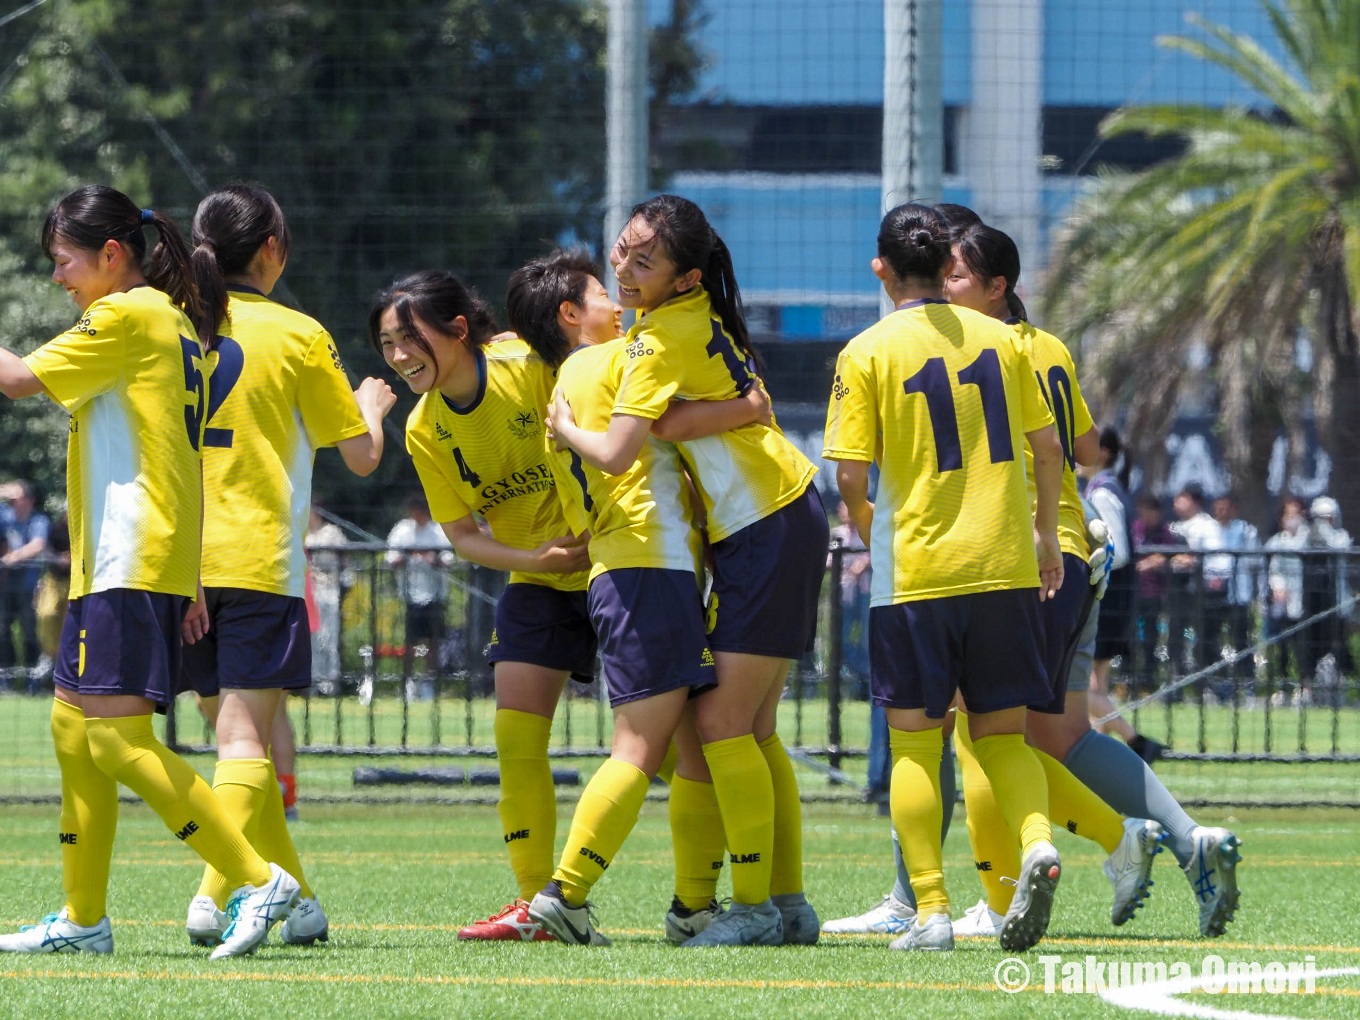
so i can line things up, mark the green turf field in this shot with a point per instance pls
(399, 880)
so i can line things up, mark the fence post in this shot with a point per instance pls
(833, 660)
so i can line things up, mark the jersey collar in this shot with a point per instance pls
(481, 387)
(241, 288)
(1012, 320)
(920, 301)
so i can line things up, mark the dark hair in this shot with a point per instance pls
(959, 217)
(229, 227)
(989, 253)
(436, 297)
(1147, 501)
(1193, 491)
(95, 214)
(1114, 446)
(692, 243)
(914, 240)
(537, 290)
(417, 501)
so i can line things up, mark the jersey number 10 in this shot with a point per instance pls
(932, 381)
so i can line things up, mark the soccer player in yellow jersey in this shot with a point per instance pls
(943, 398)
(476, 437)
(983, 277)
(986, 266)
(276, 394)
(769, 535)
(132, 375)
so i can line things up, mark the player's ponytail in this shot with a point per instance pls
(692, 243)
(96, 213)
(230, 227)
(436, 298)
(913, 239)
(988, 253)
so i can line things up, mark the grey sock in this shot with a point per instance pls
(948, 792)
(1125, 782)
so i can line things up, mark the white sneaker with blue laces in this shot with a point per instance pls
(253, 909)
(56, 934)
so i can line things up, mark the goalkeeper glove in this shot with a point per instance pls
(1102, 555)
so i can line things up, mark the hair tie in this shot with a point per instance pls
(148, 217)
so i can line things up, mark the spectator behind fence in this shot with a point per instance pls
(329, 580)
(50, 600)
(1284, 578)
(1151, 528)
(1245, 584)
(26, 540)
(855, 574)
(1324, 586)
(1200, 589)
(421, 582)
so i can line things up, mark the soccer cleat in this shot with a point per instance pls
(55, 934)
(511, 924)
(307, 924)
(978, 921)
(742, 924)
(1130, 864)
(253, 909)
(682, 924)
(572, 925)
(801, 924)
(891, 917)
(1212, 871)
(1027, 920)
(205, 923)
(936, 935)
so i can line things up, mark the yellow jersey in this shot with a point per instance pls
(131, 374)
(680, 351)
(941, 396)
(1057, 376)
(488, 459)
(641, 518)
(278, 392)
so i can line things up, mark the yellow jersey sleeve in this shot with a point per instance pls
(445, 503)
(327, 405)
(651, 375)
(852, 416)
(86, 360)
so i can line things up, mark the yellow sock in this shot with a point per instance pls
(604, 817)
(741, 779)
(697, 832)
(528, 804)
(239, 783)
(786, 875)
(666, 771)
(273, 841)
(1074, 806)
(127, 751)
(89, 818)
(996, 852)
(1018, 781)
(917, 814)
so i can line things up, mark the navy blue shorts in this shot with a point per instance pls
(544, 627)
(122, 641)
(256, 641)
(767, 582)
(651, 628)
(1060, 617)
(985, 645)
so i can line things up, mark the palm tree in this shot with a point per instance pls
(1242, 245)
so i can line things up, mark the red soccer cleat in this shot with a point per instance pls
(512, 924)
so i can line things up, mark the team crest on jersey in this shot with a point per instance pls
(525, 424)
(839, 389)
(441, 433)
(335, 357)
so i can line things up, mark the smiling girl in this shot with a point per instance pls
(131, 374)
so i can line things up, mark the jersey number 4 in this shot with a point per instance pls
(932, 381)
(464, 471)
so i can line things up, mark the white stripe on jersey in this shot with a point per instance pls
(116, 499)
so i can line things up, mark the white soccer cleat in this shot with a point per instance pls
(979, 921)
(1129, 867)
(206, 924)
(682, 924)
(890, 917)
(253, 909)
(306, 924)
(55, 934)
(936, 935)
(1212, 871)
(1027, 920)
(573, 925)
(743, 924)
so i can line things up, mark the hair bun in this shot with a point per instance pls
(920, 238)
